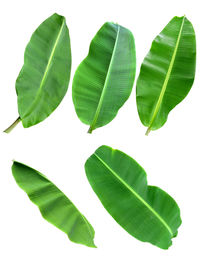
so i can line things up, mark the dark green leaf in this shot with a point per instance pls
(146, 212)
(167, 73)
(104, 80)
(44, 77)
(54, 206)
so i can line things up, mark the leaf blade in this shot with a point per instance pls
(54, 206)
(96, 95)
(44, 77)
(121, 185)
(167, 73)
(136, 195)
(92, 126)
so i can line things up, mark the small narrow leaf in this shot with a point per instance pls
(54, 206)
(167, 73)
(44, 77)
(104, 80)
(146, 212)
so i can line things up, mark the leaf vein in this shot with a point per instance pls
(135, 194)
(164, 87)
(45, 72)
(104, 87)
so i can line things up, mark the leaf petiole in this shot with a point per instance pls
(90, 130)
(11, 127)
(148, 131)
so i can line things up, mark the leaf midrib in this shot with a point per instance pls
(164, 87)
(135, 194)
(45, 72)
(92, 126)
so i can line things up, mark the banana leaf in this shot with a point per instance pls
(54, 206)
(104, 79)
(44, 78)
(167, 73)
(146, 212)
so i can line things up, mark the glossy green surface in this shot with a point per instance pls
(146, 212)
(54, 206)
(44, 77)
(167, 73)
(104, 80)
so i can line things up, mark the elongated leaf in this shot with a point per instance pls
(146, 212)
(44, 77)
(54, 206)
(167, 73)
(104, 79)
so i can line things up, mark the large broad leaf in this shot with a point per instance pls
(44, 77)
(146, 212)
(104, 79)
(54, 206)
(167, 73)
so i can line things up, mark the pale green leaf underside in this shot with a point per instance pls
(44, 77)
(104, 80)
(54, 206)
(167, 73)
(146, 212)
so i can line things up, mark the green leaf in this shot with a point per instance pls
(54, 206)
(146, 212)
(167, 73)
(44, 77)
(104, 80)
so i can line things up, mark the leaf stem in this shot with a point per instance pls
(148, 131)
(90, 130)
(11, 127)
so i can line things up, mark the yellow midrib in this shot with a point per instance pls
(45, 72)
(136, 195)
(105, 85)
(164, 87)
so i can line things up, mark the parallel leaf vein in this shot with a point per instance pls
(46, 70)
(164, 87)
(135, 194)
(105, 85)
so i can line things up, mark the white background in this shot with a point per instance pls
(60, 145)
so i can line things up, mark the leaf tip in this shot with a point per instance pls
(93, 245)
